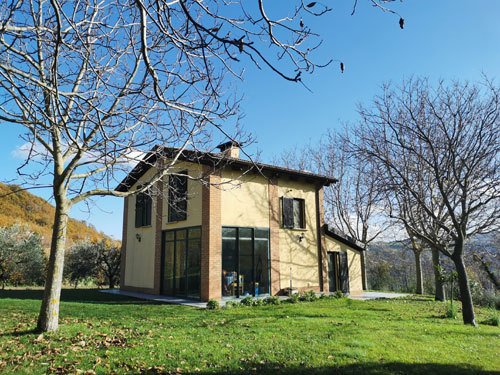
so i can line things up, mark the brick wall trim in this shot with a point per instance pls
(274, 239)
(211, 237)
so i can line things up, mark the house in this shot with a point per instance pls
(224, 227)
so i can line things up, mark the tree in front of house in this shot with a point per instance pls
(449, 137)
(96, 84)
(22, 260)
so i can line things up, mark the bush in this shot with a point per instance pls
(231, 305)
(308, 296)
(22, 260)
(294, 298)
(258, 302)
(451, 311)
(493, 320)
(272, 300)
(485, 298)
(213, 305)
(247, 301)
(338, 294)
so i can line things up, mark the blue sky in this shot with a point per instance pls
(442, 39)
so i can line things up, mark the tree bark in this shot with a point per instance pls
(465, 293)
(439, 285)
(48, 320)
(364, 278)
(418, 271)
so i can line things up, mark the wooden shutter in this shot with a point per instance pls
(287, 204)
(148, 208)
(138, 210)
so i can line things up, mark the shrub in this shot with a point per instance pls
(485, 298)
(308, 296)
(231, 304)
(493, 320)
(272, 300)
(213, 305)
(338, 294)
(294, 298)
(258, 302)
(451, 311)
(247, 301)
(22, 260)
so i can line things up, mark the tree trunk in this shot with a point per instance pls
(438, 282)
(465, 294)
(364, 278)
(48, 320)
(418, 271)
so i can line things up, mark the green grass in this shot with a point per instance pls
(107, 333)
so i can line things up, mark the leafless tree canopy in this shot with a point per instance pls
(438, 156)
(97, 83)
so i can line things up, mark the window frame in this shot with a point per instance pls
(176, 213)
(143, 209)
(287, 206)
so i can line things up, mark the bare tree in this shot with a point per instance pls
(447, 137)
(97, 84)
(352, 204)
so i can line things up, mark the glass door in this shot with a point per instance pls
(245, 261)
(181, 263)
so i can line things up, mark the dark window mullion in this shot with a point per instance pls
(253, 262)
(186, 261)
(238, 262)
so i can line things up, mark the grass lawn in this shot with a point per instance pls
(108, 333)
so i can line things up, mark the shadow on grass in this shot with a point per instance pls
(77, 295)
(361, 368)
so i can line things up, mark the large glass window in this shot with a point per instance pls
(245, 261)
(181, 262)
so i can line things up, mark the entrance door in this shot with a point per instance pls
(181, 263)
(245, 261)
(338, 272)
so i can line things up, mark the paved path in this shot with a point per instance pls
(202, 305)
(375, 295)
(158, 298)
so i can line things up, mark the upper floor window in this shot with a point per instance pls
(177, 197)
(293, 213)
(143, 206)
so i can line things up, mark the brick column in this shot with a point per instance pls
(211, 238)
(123, 252)
(274, 239)
(158, 217)
(322, 255)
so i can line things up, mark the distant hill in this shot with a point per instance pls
(35, 212)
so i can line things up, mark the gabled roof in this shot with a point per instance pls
(216, 161)
(342, 237)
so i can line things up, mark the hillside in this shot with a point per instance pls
(35, 212)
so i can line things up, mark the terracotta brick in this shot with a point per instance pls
(158, 217)
(322, 255)
(274, 240)
(211, 228)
